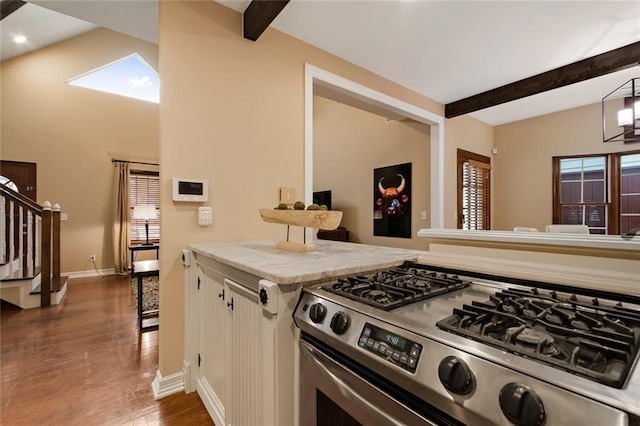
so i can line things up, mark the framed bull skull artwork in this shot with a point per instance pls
(392, 201)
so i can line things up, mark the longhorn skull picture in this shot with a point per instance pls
(392, 197)
(392, 201)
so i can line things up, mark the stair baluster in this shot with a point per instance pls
(56, 241)
(6, 234)
(45, 278)
(24, 217)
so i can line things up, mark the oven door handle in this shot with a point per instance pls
(316, 356)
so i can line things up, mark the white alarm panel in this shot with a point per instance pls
(194, 190)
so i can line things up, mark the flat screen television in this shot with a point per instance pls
(322, 197)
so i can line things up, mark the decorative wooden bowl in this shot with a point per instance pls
(319, 219)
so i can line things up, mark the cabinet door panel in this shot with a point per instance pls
(245, 386)
(212, 330)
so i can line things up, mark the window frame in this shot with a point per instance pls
(481, 162)
(154, 222)
(613, 188)
(619, 183)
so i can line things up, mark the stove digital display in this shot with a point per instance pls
(396, 341)
(390, 346)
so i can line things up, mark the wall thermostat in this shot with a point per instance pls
(194, 190)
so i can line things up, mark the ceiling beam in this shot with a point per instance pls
(259, 15)
(595, 66)
(7, 7)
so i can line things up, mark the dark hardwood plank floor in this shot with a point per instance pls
(83, 362)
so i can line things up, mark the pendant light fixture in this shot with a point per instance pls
(621, 113)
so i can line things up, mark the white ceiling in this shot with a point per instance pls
(42, 26)
(445, 50)
(45, 22)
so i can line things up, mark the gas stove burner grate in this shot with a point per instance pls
(596, 340)
(396, 287)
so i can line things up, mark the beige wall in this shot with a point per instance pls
(348, 143)
(72, 133)
(464, 132)
(523, 176)
(232, 111)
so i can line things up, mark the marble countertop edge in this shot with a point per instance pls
(601, 242)
(331, 260)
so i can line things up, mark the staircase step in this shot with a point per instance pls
(57, 284)
(9, 307)
(23, 274)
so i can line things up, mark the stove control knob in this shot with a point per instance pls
(317, 312)
(455, 375)
(339, 323)
(521, 405)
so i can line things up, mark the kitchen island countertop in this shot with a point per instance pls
(331, 259)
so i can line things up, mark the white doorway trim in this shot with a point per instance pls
(316, 76)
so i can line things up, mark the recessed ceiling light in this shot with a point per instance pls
(20, 39)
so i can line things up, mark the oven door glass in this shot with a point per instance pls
(328, 413)
(332, 394)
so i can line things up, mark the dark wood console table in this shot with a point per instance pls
(139, 270)
(143, 247)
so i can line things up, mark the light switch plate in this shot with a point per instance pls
(205, 216)
(287, 195)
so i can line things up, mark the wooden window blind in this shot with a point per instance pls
(144, 188)
(474, 191)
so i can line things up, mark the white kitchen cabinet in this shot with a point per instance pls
(245, 354)
(212, 337)
(247, 373)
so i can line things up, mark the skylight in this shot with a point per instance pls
(130, 76)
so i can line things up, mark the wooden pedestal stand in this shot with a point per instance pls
(318, 219)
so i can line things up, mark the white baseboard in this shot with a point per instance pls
(186, 373)
(165, 386)
(211, 402)
(89, 273)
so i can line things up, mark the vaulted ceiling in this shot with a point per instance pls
(445, 50)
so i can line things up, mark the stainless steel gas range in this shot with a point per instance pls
(420, 344)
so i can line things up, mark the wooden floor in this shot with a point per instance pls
(83, 362)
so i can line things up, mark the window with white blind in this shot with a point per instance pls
(144, 190)
(474, 191)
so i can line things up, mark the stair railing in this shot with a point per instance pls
(39, 227)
